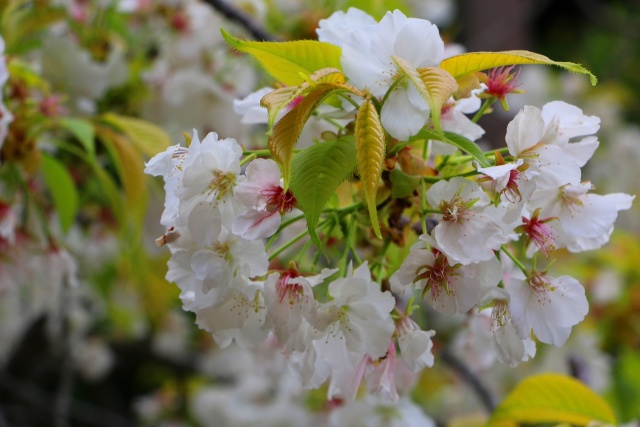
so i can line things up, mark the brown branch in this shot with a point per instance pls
(236, 15)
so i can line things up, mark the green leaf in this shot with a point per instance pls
(435, 86)
(289, 62)
(62, 189)
(145, 136)
(316, 173)
(551, 398)
(370, 145)
(83, 131)
(403, 184)
(130, 167)
(288, 129)
(467, 63)
(459, 141)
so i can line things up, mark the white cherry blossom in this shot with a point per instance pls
(585, 220)
(550, 306)
(367, 62)
(466, 233)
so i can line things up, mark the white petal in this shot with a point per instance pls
(525, 130)
(400, 117)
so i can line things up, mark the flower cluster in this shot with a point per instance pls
(480, 217)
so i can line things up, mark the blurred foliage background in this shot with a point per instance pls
(125, 71)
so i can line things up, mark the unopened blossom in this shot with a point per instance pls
(466, 233)
(550, 306)
(367, 62)
(265, 199)
(585, 220)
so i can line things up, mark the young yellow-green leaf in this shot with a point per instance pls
(441, 85)
(289, 62)
(145, 136)
(279, 98)
(435, 86)
(62, 189)
(316, 172)
(83, 131)
(466, 63)
(287, 131)
(551, 398)
(370, 146)
(130, 167)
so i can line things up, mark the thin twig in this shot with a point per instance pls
(236, 15)
(483, 393)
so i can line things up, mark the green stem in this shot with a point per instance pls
(287, 245)
(423, 206)
(487, 103)
(348, 98)
(467, 158)
(392, 88)
(515, 260)
(283, 225)
(248, 159)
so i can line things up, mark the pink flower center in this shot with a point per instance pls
(439, 277)
(501, 82)
(454, 211)
(539, 233)
(293, 291)
(279, 200)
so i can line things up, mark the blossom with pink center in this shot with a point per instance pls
(501, 82)
(265, 199)
(535, 141)
(585, 220)
(291, 305)
(448, 288)
(467, 233)
(539, 233)
(550, 306)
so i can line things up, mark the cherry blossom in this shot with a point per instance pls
(550, 306)
(466, 233)
(367, 62)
